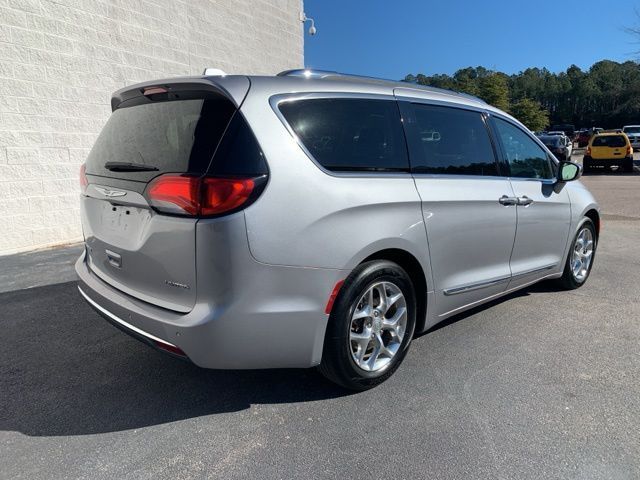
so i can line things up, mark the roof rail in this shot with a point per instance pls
(310, 73)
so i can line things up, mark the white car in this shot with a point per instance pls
(560, 145)
(633, 132)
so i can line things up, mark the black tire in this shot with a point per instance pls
(586, 165)
(338, 364)
(568, 281)
(627, 165)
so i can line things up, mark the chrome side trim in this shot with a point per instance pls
(122, 322)
(492, 297)
(535, 270)
(497, 281)
(475, 286)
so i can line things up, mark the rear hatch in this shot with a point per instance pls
(154, 132)
(609, 147)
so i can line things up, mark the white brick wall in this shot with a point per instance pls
(60, 60)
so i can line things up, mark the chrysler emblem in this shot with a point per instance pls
(111, 193)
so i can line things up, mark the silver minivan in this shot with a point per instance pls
(317, 219)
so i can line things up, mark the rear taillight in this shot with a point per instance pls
(175, 194)
(588, 151)
(83, 178)
(220, 195)
(202, 196)
(629, 150)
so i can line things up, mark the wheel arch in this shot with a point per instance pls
(595, 218)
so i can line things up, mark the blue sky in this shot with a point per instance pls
(390, 39)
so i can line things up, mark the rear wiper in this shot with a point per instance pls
(129, 167)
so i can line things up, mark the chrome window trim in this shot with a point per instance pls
(276, 100)
(441, 103)
(451, 176)
(548, 181)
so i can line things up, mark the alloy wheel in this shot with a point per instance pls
(582, 254)
(378, 326)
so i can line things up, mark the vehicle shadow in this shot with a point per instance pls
(65, 371)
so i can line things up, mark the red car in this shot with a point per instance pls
(585, 135)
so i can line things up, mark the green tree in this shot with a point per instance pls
(494, 89)
(531, 114)
(607, 95)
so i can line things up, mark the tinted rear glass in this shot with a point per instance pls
(239, 153)
(632, 130)
(346, 134)
(550, 141)
(177, 136)
(448, 140)
(613, 141)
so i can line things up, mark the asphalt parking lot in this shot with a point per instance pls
(539, 385)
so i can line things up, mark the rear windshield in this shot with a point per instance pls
(632, 130)
(178, 136)
(613, 141)
(550, 141)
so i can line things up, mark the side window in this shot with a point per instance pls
(450, 141)
(349, 134)
(526, 158)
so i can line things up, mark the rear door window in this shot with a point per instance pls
(612, 141)
(445, 140)
(349, 134)
(177, 136)
(526, 158)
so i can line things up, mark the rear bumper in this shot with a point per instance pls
(132, 330)
(277, 321)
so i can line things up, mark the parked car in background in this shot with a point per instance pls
(317, 219)
(609, 150)
(633, 132)
(560, 145)
(568, 129)
(585, 135)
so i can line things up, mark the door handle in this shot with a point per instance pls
(504, 200)
(524, 201)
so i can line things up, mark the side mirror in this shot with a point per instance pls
(568, 171)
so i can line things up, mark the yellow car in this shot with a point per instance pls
(607, 150)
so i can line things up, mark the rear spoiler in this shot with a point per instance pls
(234, 87)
